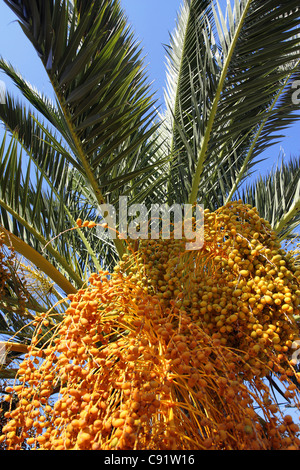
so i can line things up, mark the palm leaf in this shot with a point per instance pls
(277, 197)
(227, 97)
(30, 211)
(38, 260)
(34, 208)
(103, 113)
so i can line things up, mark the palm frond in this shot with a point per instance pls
(103, 112)
(228, 92)
(277, 197)
(39, 261)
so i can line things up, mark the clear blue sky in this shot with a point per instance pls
(152, 20)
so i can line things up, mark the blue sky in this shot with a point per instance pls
(152, 21)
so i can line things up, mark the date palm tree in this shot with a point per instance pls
(228, 98)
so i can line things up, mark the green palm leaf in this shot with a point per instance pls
(277, 197)
(27, 209)
(103, 113)
(228, 92)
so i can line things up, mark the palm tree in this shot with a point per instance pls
(228, 98)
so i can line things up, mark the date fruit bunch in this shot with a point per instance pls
(170, 351)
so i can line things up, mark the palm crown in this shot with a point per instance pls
(228, 97)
